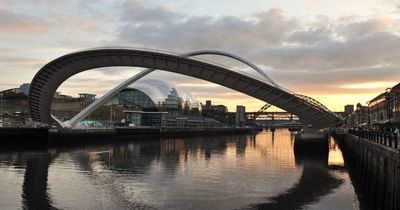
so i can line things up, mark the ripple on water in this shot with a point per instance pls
(230, 172)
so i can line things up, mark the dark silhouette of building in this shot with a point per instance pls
(384, 109)
(349, 109)
(219, 108)
(361, 115)
(240, 115)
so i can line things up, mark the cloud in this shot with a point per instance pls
(366, 51)
(365, 28)
(269, 38)
(314, 55)
(22, 61)
(135, 10)
(317, 54)
(311, 36)
(17, 23)
(162, 28)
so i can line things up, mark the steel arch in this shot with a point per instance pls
(51, 76)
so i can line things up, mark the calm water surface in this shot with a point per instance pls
(225, 172)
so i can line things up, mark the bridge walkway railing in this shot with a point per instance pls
(388, 139)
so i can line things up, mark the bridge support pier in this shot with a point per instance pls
(310, 144)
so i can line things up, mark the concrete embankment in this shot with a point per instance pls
(22, 137)
(374, 169)
(44, 137)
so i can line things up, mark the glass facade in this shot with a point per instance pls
(134, 118)
(139, 118)
(135, 98)
(158, 95)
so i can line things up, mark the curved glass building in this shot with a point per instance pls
(151, 94)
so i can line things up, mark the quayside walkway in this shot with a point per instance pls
(373, 160)
(388, 139)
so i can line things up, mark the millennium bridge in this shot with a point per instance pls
(372, 157)
(45, 83)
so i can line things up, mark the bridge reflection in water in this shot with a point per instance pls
(225, 172)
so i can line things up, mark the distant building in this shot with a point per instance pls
(64, 107)
(219, 108)
(349, 109)
(87, 97)
(217, 112)
(60, 98)
(24, 88)
(240, 116)
(208, 104)
(361, 115)
(11, 90)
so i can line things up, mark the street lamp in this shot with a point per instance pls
(1, 110)
(368, 114)
(389, 109)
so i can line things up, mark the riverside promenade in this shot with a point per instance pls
(373, 160)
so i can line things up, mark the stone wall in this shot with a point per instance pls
(374, 170)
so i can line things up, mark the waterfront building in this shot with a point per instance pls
(11, 90)
(219, 108)
(135, 99)
(384, 109)
(349, 109)
(378, 110)
(148, 119)
(64, 107)
(208, 105)
(240, 116)
(145, 95)
(190, 121)
(157, 95)
(87, 98)
(348, 115)
(160, 119)
(217, 112)
(61, 98)
(24, 88)
(361, 115)
(395, 105)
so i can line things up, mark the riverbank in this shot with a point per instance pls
(375, 168)
(39, 137)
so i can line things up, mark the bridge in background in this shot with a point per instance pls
(54, 73)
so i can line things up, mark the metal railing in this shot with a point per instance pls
(384, 138)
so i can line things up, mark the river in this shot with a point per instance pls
(258, 171)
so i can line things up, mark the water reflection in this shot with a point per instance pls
(229, 172)
(34, 187)
(315, 181)
(35, 182)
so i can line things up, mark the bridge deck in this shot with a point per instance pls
(53, 74)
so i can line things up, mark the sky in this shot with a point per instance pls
(338, 52)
